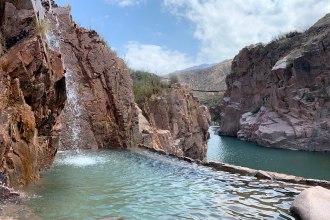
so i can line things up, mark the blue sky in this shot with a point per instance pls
(162, 36)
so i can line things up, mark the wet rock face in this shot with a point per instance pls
(99, 109)
(7, 193)
(32, 95)
(279, 95)
(176, 123)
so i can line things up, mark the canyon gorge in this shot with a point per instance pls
(48, 60)
(65, 94)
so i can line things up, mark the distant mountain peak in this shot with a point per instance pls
(199, 67)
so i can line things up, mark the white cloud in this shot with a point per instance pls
(125, 3)
(154, 58)
(225, 26)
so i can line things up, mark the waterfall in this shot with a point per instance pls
(74, 107)
(50, 6)
(38, 8)
(53, 40)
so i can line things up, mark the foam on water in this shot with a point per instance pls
(80, 160)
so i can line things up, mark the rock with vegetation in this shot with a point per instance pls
(312, 203)
(145, 85)
(279, 94)
(172, 119)
(210, 79)
(32, 95)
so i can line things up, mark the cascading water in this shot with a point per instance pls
(54, 42)
(74, 107)
(50, 6)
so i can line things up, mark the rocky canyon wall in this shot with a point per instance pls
(49, 63)
(100, 107)
(175, 122)
(32, 95)
(279, 94)
(101, 111)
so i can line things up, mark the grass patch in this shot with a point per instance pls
(104, 41)
(43, 27)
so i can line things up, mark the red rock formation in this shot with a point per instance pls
(100, 104)
(100, 111)
(178, 124)
(32, 95)
(279, 95)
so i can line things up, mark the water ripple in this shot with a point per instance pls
(144, 185)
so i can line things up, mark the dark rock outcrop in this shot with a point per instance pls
(32, 95)
(312, 203)
(174, 121)
(279, 95)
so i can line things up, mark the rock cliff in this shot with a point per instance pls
(100, 107)
(32, 95)
(175, 122)
(279, 94)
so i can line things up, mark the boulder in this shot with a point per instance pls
(312, 204)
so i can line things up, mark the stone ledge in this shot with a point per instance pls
(260, 174)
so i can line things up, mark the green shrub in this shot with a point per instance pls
(287, 35)
(256, 108)
(145, 85)
(68, 7)
(174, 79)
(324, 95)
(216, 119)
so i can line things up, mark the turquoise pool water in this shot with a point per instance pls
(143, 185)
(233, 151)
